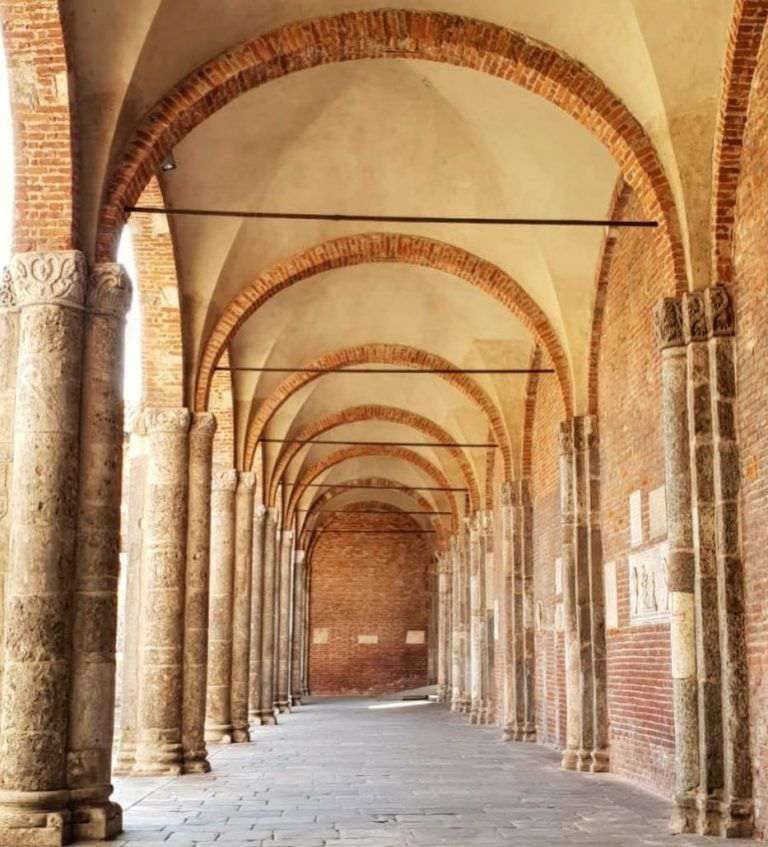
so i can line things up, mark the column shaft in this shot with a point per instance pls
(296, 634)
(511, 615)
(255, 705)
(268, 621)
(50, 289)
(218, 711)
(241, 605)
(196, 593)
(444, 627)
(528, 623)
(97, 570)
(159, 749)
(283, 674)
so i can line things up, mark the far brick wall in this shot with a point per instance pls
(632, 459)
(750, 263)
(369, 584)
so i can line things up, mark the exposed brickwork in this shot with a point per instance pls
(357, 451)
(632, 458)
(45, 187)
(374, 585)
(379, 413)
(379, 354)
(381, 247)
(747, 26)
(749, 289)
(162, 351)
(396, 33)
(545, 412)
(222, 407)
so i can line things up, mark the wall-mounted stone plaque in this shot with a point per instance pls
(367, 639)
(611, 596)
(320, 636)
(657, 512)
(559, 618)
(558, 575)
(636, 518)
(649, 585)
(415, 636)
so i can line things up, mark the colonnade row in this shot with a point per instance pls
(194, 671)
(486, 633)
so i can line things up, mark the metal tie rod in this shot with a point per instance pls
(411, 219)
(374, 531)
(305, 441)
(377, 487)
(371, 512)
(356, 370)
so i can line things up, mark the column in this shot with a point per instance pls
(268, 621)
(306, 629)
(241, 605)
(297, 628)
(196, 593)
(444, 627)
(257, 600)
(9, 342)
(158, 749)
(97, 569)
(512, 608)
(50, 291)
(218, 710)
(528, 622)
(457, 633)
(674, 420)
(283, 670)
(487, 575)
(478, 627)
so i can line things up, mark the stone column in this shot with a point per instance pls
(681, 564)
(306, 631)
(241, 606)
(50, 291)
(444, 627)
(218, 711)
(159, 749)
(478, 623)
(457, 632)
(257, 600)
(283, 674)
(512, 612)
(9, 342)
(488, 572)
(97, 569)
(297, 629)
(268, 621)
(528, 623)
(196, 596)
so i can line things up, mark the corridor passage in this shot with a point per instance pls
(367, 773)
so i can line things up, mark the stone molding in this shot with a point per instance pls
(224, 479)
(246, 480)
(204, 423)
(110, 291)
(668, 323)
(166, 420)
(55, 278)
(259, 513)
(7, 293)
(719, 310)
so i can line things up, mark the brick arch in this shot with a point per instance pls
(383, 354)
(363, 451)
(406, 34)
(377, 247)
(746, 35)
(45, 177)
(357, 414)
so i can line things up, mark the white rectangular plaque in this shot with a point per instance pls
(415, 636)
(611, 596)
(649, 585)
(657, 512)
(367, 639)
(559, 618)
(558, 575)
(636, 518)
(319, 635)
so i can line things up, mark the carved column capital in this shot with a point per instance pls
(110, 290)
(719, 310)
(565, 437)
(166, 420)
(299, 556)
(259, 513)
(247, 480)
(695, 325)
(224, 479)
(54, 278)
(7, 291)
(204, 423)
(668, 323)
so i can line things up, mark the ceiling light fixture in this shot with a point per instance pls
(168, 164)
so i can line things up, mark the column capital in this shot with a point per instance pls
(110, 290)
(668, 323)
(166, 420)
(204, 423)
(224, 479)
(246, 480)
(299, 556)
(55, 278)
(719, 311)
(259, 512)
(287, 536)
(565, 437)
(7, 292)
(695, 324)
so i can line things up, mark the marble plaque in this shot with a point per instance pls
(611, 596)
(320, 636)
(558, 575)
(415, 636)
(636, 518)
(559, 618)
(649, 585)
(367, 639)
(657, 512)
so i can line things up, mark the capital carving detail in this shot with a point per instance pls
(668, 322)
(55, 278)
(224, 479)
(247, 480)
(110, 290)
(694, 317)
(719, 311)
(260, 512)
(299, 557)
(166, 420)
(7, 293)
(565, 435)
(204, 423)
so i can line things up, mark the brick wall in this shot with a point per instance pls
(632, 459)
(750, 262)
(374, 585)
(547, 413)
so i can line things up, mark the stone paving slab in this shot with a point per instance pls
(336, 772)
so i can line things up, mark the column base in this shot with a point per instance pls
(240, 736)
(95, 821)
(196, 766)
(600, 761)
(584, 761)
(218, 733)
(283, 706)
(295, 699)
(570, 760)
(158, 759)
(512, 733)
(34, 819)
(721, 818)
(125, 760)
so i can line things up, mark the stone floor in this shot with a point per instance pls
(365, 773)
